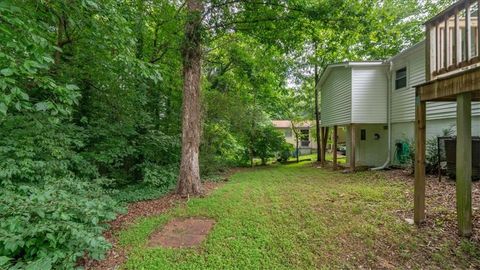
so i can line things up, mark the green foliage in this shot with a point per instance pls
(34, 149)
(431, 155)
(286, 152)
(268, 142)
(220, 149)
(431, 151)
(49, 226)
(139, 192)
(26, 83)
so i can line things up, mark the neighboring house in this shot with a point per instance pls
(306, 131)
(375, 102)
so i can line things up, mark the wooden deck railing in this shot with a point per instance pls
(453, 39)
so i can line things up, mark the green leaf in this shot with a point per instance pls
(43, 263)
(3, 108)
(92, 4)
(43, 106)
(4, 260)
(6, 72)
(72, 87)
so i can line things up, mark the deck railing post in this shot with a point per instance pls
(468, 38)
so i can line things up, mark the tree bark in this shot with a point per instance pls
(297, 135)
(317, 112)
(189, 178)
(298, 152)
(139, 28)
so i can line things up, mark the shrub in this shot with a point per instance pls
(431, 152)
(267, 142)
(52, 207)
(160, 176)
(286, 152)
(219, 149)
(52, 225)
(34, 150)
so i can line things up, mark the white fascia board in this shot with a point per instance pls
(330, 67)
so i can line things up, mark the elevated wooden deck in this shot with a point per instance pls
(448, 87)
(452, 74)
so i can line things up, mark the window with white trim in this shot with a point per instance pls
(401, 78)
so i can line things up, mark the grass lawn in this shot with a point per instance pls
(301, 217)
(329, 156)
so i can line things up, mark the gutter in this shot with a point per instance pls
(389, 121)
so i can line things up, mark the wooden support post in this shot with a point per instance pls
(335, 144)
(464, 164)
(322, 150)
(420, 140)
(324, 146)
(352, 147)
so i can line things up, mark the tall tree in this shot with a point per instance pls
(317, 109)
(189, 178)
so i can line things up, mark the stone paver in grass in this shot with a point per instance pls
(180, 233)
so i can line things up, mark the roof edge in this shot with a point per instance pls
(347, 64)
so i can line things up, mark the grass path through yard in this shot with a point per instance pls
(301, 217)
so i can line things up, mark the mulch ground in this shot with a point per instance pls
(117, 255)
(440, 204)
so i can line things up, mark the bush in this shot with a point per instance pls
(52, 225)
(267, 142)
(431, 152)
(219, 149)
(33, 150)
(52, 207)
(286, 152)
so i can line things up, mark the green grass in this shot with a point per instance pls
(300, 217)
(329, 157)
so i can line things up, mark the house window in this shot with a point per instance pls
(288, 133)
(305, 137)
(401, 78)
(363, 134)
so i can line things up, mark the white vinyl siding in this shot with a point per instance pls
(336, 97)
(369, 95)
(403, 100)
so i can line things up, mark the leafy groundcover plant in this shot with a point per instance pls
(53, 225)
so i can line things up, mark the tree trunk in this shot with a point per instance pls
(189, 179)
(251, 156)
(139, 28)
(298, 152)
(324, 145)
(317, 113)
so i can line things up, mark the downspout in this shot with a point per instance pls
(389, 120)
